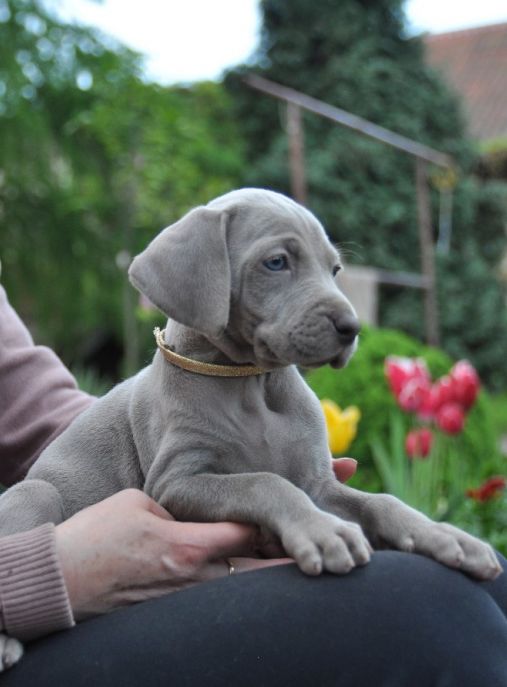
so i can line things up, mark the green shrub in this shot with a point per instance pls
(362, 383)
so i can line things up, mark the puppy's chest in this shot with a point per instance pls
(273, 436)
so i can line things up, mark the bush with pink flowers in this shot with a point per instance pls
(426, 433)
(363, 383)
(444, 402)
(434, 474)
(437, 408)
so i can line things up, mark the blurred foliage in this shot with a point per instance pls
(492, 163)
(88, 381)
(487, 520)
(93, 163)
(362, 383)
(499, 413)
(356, 55)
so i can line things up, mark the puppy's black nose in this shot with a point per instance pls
(347, 327)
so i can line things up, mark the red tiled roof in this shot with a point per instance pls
(474, 63)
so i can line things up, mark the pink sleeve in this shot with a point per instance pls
(38, 400)
(33, 596)
(38, 396)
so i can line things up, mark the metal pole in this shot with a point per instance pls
(296, 153)
(427, 252)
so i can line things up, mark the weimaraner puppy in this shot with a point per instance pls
(221, 425)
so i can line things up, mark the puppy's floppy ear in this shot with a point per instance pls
(185, 271)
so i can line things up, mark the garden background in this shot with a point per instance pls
(94, 160)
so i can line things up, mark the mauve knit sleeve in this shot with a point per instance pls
(38, 396)
(38, 400)
(33, 596)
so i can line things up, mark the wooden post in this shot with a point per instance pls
(296, 153)
(427, 252)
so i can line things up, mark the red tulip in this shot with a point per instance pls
(427, 409)
(466, 383)
(442, 392)
(418, 443)
(488, 490)
(400, 370)
(414, 394)
(450, 418)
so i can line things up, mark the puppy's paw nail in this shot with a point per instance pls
(493, 571)
(311, 567)
(348, 566)
(408, 544)
(316, 568)
(363, 558)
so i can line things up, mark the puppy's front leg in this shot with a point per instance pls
(28, 504)
(316, 540)
(390, 523)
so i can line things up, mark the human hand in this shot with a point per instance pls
(127, 549)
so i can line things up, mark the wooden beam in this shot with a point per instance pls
(335, 114)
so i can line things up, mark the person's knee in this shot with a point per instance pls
(449, 629)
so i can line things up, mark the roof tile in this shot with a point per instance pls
(474, 63)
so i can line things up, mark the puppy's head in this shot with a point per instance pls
(256, 267)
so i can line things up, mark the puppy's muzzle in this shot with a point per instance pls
(347, 326)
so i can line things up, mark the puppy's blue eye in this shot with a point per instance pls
(276, 264)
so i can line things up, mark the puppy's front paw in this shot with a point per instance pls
(324, 542)
(394, 524)
(10, 651)
(456, 549)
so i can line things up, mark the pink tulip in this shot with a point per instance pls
(443, 392)
(418, 443)
(401, 370)
(426, 410)
(450, 418)
(466, 383)
(414, 394)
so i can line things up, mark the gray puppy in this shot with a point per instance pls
(248, 283)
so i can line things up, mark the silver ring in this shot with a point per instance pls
(230, 566)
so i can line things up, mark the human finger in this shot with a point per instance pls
(219, 539)
(233, 566)
(344, 468)
(158, 510)
(244, 564)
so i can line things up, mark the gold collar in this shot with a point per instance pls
(210, 369)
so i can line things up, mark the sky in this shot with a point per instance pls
(189, 40)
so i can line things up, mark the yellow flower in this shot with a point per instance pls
(341, 425)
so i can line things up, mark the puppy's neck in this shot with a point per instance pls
(192, 344)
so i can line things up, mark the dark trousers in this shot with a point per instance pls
(403, 620)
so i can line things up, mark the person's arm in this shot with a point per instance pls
(33, 595)
(38, 399)
(38, 396)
